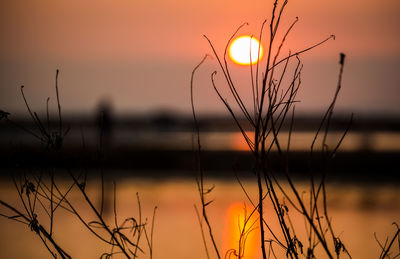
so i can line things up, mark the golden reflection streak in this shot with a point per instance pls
(242, 232)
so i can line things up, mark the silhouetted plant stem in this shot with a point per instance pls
(261, 213)
(385, 252)
(58, 104)
(272, 100)
(200, 178)
(39, 230)
(39, 196)
(100, 218)
(150, 242)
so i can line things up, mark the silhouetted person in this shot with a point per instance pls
(105, 129)
(105, 124)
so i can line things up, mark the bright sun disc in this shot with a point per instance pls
(240, 48)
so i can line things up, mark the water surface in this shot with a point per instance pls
(357, 212)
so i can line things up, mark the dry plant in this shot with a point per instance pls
(388, 247)
(44, 192)
(273, 103)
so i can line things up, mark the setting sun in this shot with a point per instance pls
(245, 50)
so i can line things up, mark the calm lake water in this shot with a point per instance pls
(357, 211)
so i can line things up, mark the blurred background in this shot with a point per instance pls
(140, 54)
(124, 85)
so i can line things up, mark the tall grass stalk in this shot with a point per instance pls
(274, 97)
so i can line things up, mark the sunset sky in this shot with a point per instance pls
(140, 54)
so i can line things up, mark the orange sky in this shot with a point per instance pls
(140, 53)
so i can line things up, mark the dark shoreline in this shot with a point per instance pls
(144, 156)
(362, 166)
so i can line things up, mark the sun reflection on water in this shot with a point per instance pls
(242, 232)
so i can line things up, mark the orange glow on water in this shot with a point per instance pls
(242, 233)
(245, 50)
(239, 143)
